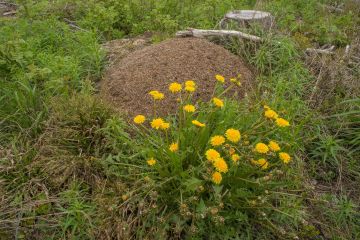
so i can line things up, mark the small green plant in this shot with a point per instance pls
(77, 219)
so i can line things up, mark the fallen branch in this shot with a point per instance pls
(206, 33)
(10, 13)
(321, 51)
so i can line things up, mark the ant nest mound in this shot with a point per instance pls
(141, 69)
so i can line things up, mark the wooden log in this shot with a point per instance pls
(222, 33)
(245, 17)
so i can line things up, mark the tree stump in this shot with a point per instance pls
(245, 18)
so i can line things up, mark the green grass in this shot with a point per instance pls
(38, 60)
(71, 168)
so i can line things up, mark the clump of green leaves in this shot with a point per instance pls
(183, 180)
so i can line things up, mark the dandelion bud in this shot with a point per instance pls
(214, 211)
(124, 197)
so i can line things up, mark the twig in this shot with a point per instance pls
(205, 33)
(73, 25)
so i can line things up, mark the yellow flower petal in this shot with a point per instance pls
(220, 78)
(212, 154)
(189, 108)
(197, 123)
(271, 114)
(220, 165)
(261, 148)
(285, 157)
(151, 162)
(175, 87)
(139, 119)
(233, 135)
(216, 178)
(218, 102)
(235, 158)
(157, 123)
(274, 146)
(282, 122)
(174, 147)
(217, 140)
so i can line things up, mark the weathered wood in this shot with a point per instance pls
(245, 17)
(206, 33)
(321, 51)
(9, 13)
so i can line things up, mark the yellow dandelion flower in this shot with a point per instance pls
(282, 122)
(156, 95)
(216, 178)
(285, 157)
(197, 123)
(165, 126)
(261, 162)
(212, 154)
(157, 123)
(190, 83)
(220, 78)
(220, 165)
(266, 107)
(233, 135)
(233, 80)
(218, 102)
(189, 108)
(271, 114)
(174, 147)
(217, 140)
(189, 89)
(175, 87)
(139, 119)
(151, 162)
(261, 148)
(235, 158)
(274, 146)
(231, 151)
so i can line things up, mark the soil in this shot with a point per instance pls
(132, 75)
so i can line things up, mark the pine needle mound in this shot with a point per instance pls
(127, 82)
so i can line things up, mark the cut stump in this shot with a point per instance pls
(246, 17)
